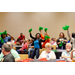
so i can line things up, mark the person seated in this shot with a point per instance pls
(61, 41)
(24, 47)
(66, 54)
(53, 42)
(6, 50)
(48, 53)
(30, 47)
(73, 55)
(12, 40)
(5, 38)
(13, 52)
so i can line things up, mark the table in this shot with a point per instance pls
(17, 46)
(51, 60)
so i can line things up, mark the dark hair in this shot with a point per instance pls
(63, 34)
(21, 33)
(37, 34)
(28, 39)
(2, 36)
(18, 40)
(73, 35)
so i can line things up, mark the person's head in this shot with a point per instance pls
(25, 41)
(61, 35)
(3, 36)
(6, 49)
(48, 47)
(21, 34)
(18, 40)
(68, 47)
(38, 35)
(11, 45)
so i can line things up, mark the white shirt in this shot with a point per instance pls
(51, 55)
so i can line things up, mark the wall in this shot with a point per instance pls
(17, 22)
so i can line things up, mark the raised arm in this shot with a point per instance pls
(69, 34)
(32, 36)
(10, 35)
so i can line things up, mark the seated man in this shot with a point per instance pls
(66, 54)
(24, 47)
(13, 52)
(6, 50)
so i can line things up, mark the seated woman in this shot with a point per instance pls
(53, 42)
(48, 53)
(61, 41)
(24, 47)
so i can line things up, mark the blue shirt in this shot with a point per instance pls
(36, 44)
(6, 39)
(65, 53)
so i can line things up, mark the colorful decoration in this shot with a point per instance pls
(5, 33)
(47, 37)
(40, 28)
(55, 50)
(43, 59)
(66, 27)
(46, 29)
(61, 44)
(2, 41)
(30, 30)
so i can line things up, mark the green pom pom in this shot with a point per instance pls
(46, 29)
(2, 41)
(47, 37)
(1, 33)
(66, 27)
(5, 32)
(30, 30)
(61, 44)
(40, 28)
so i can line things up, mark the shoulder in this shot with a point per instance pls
(43, 52)
(23, 35)
(52, 51)
(65, 38)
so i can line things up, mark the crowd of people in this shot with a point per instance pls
(33, 45)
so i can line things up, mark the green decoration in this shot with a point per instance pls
(46, 29)
(66, 27)
(5, 33)
(40, 28)
(30, 30)
(61, 44)
(47, 37)
(2, 41)
(55, 50)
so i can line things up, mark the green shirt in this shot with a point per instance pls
(13, 52)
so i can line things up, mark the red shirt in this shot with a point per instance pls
(24, 46)
(21, 38)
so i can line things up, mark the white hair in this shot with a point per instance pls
(69, 44)
(47, 44)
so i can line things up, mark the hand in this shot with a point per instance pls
(59, 42)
